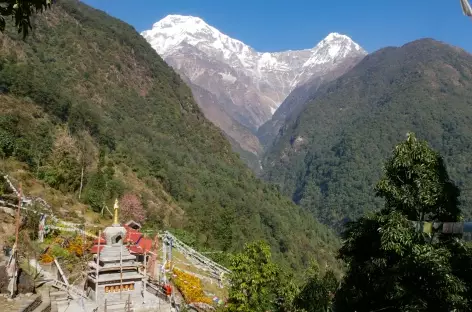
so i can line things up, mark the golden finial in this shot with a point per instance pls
(115, 212)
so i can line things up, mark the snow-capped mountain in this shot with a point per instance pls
(248, 84)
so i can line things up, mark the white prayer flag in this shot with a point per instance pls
(466, 8)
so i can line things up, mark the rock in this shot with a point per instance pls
(28, 294)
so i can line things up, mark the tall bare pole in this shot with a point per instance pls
(164, 260)
(14, 256)
(121, 269)
(81, 181)
(145, 274)
(96, 268)
(17, 228)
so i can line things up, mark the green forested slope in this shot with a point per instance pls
(86, 90)
(330, 156)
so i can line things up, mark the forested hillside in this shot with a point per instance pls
(296, 100)
(242, 140)
(329, 157)
(86, 91)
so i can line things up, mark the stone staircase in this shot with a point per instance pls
(69, 289)
(116, 306)
(60, 299)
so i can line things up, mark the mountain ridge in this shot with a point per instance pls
(168, 35)
(298, 97)
(329, 156)
(248, 85)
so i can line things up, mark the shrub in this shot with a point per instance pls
(190, 286)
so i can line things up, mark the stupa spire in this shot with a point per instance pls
(115, 213)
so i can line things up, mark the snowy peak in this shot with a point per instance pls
(250, 85)
(168, 34)
(171, 33)
(172, 20)
(334, 36)
(339, 41)
(333, 48)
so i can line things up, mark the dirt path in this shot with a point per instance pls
(9, 304)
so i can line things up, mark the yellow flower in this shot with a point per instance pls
(190, 286)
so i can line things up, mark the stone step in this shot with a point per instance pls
(116, 305)
(58, 298)
(120, 309)
(61, 300)
(62, 304)
(115, 308)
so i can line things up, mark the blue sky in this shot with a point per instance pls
(276, 25)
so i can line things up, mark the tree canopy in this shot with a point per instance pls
(253, 280)
(318, 291)
(258, 284)
(21, 12)
(416, 183)
(393, 267)
(131, 208)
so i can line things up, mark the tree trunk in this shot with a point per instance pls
(81, 182)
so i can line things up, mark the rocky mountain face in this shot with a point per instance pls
(247, 86)
(296, 100)
(329, 156)
(242, 140)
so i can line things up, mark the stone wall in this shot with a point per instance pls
(116, 297)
